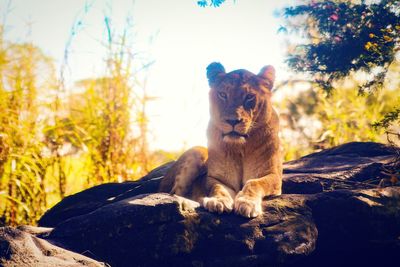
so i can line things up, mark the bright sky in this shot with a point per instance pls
(181, 37)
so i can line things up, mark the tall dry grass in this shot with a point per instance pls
(54, 142)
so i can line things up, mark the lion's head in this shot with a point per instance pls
(240, 101)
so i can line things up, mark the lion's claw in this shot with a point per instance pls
(218, 204)
(247, 207)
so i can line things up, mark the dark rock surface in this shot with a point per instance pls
(21, 248)
(356, 165)
(98, 196)
(332, 214)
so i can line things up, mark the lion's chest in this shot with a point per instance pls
(232, 169)
(226, 168)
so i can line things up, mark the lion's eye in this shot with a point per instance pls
(222, 95)
(249, 97)
(249, 101)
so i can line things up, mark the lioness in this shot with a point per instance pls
(243, 162)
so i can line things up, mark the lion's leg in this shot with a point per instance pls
(248, 200)
(180, 177)
(220, 197)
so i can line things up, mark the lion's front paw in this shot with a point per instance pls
(247, 207)
(218, 204)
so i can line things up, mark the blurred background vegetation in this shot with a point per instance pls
(55, 142)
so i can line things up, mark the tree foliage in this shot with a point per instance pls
(213, 3)
(345, 38)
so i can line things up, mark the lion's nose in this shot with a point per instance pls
(234, 122)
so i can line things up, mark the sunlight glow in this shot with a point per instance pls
(181, 37)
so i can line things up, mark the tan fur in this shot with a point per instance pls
(243, 163)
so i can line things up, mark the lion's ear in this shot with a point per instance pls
(214, 70)
(268, 74)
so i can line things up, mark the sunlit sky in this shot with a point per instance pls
(178, 35)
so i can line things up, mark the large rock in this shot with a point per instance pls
(172, 231)
(332, 214)
(347, 166)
